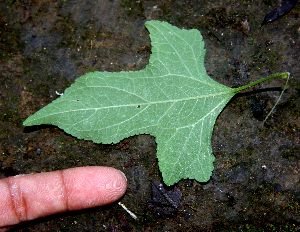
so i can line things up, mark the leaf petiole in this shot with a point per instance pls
(283, 75)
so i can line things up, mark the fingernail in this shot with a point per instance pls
(123, 174)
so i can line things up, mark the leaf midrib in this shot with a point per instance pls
(147, 103)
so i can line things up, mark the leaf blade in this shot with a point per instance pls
(172, 99)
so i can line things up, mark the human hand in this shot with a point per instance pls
(28, 197)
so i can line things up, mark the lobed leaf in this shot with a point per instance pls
(172, 99)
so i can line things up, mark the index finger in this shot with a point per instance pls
(27, 197)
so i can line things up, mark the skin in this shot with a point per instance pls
(28, 197)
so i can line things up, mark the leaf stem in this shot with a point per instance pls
(283, 75)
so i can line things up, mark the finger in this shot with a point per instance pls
(27, 197)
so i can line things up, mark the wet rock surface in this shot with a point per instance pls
(255, 184)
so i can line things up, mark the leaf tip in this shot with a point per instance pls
(27, 122)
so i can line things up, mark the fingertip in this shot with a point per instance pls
(99, 186)
(116, 183)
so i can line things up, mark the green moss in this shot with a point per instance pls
(90, 69)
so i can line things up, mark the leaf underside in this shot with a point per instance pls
(172, 99)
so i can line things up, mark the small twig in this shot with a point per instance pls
(128, 211)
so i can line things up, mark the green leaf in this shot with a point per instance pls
(172, 99)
